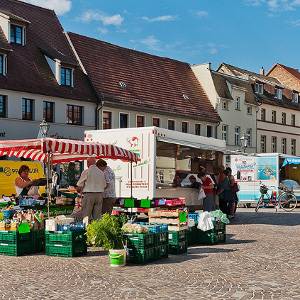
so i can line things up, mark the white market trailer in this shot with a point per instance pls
(164, 154)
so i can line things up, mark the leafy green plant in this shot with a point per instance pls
(106, 232)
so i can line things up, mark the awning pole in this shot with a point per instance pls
(131, 187)
(49, 163)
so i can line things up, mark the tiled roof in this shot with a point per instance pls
(27, 69)
(236, 71)
(220, 81)
(294, 72)
(153, 83)
(270, 83)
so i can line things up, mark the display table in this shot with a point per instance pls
(190, 194)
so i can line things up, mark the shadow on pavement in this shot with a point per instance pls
(269, 218)
(208, 250)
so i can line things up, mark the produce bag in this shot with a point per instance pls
(205, 222)
(219, 215)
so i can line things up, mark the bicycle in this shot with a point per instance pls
(286, 200)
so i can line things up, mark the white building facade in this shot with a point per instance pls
(234, 101)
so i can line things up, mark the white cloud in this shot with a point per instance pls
(201, 13)
(106, 20)
(166, 18)
(151, 42)
(59, 6)
(295, 23)
(102, 30)
(276, 5)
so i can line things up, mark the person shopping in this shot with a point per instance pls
(92, 184)
(208, 188)
(24, 185)
(109, 196)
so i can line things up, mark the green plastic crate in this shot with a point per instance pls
(183, 216)
(211, 237)
(14, 236)
(66, 250)
(16, 249)
(163, 251)
(65, 236)
(177, 236)
(142, 256)
(162, 238)
(129, 203)
(219, 226)
(140, 240)
(146, 203)
(180, 248)
(192, 236)
(39, 240)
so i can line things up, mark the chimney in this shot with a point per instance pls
(262, 71)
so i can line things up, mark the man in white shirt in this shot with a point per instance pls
(92, 184)
(109, 196)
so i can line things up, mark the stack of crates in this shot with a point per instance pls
(14, 243)
(146, 247)
(38, 237)
(178, 242)
(66, 243)
(214, 236)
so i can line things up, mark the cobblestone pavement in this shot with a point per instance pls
(259, 261)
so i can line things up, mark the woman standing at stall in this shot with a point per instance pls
(208, 187)
(225, 194)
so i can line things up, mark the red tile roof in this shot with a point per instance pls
(152, 83)
(27, 69)
(293, 71)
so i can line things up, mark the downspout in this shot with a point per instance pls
(259, 102)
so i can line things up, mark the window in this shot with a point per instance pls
(284, 118)
(237, 133)
(274, 116)
(3, 106)
(225, 133)
(263, 114)
(2, 64)
(263, 144)
(106, 120)
(171, 124)
(225, 105)
(185, 127)
(74, 114)
(16, 34)
(293, 120)
(198, 129)
(249, 110)
(274, 144)
(249, 137)
(283, 145)
(123, 120)
(27, 109)
(156, 122)
(259, 88)
(238, 103)
(278, 93)
(48, 111)
(293, 147)
(66, 76)
(140, 121)
(295, 97)
(209, 131)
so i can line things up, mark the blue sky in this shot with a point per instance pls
(246, 33)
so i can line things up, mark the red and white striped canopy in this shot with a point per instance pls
(63, 150)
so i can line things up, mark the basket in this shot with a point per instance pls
(180, 248)
(66, 250)
(175, 237)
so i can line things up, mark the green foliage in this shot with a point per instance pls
(106, 232)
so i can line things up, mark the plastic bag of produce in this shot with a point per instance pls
(219, 215)
(205, 222)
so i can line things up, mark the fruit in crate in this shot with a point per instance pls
(134, 228)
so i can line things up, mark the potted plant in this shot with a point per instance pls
(107, 233)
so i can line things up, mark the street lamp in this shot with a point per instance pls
(44, 128)
(244, 142)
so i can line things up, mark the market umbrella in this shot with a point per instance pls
(53, 151)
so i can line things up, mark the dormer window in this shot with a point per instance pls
(66, 76)
(259, 88)
(278, 93)
(16, 34)
(295, 97)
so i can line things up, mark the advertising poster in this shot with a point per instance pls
(267, 168)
